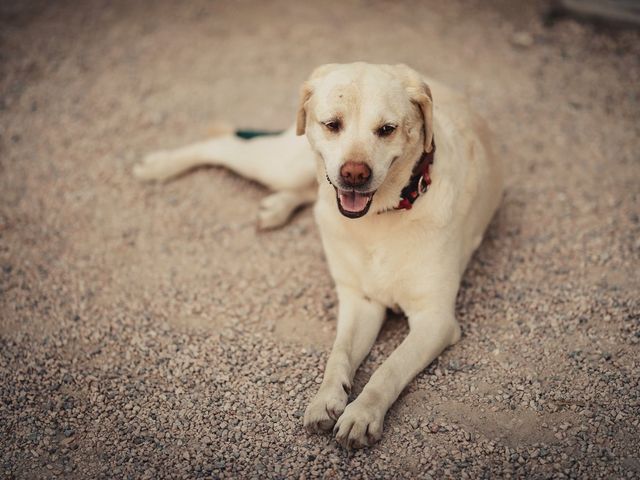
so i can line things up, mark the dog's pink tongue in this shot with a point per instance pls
(353, 201)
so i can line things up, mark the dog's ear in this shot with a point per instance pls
(420, 94)
(305, 95)
(301, 118)
(422, 97)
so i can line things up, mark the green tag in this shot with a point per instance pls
(249, 134)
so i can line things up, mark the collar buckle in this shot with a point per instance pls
(423, 186)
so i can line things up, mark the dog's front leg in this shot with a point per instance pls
(430, 333)
(359, 321)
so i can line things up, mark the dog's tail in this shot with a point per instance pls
(219, 129)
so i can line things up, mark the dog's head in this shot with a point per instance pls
(369, 124)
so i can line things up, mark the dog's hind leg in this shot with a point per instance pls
(280, 162)
(276, 208)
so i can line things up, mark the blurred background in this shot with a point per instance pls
(150, 331)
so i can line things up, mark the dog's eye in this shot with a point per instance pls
(333, 125)
(386, 130)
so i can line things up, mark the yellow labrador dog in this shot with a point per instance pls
(406, 184)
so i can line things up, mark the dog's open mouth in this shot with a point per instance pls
(353, 204)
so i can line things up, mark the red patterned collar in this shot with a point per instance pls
(419, 182)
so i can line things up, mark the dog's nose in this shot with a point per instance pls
(355, 174)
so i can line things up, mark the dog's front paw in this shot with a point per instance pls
(359, 426)
(325, 408)
(154, 166)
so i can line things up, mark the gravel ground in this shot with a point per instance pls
(150, 331)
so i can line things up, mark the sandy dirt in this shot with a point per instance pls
(149, 331)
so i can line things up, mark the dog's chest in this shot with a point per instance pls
(381, 276)
(374, 260)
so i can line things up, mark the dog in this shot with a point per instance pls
(406, 183)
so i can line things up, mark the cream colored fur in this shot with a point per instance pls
(407, 259)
